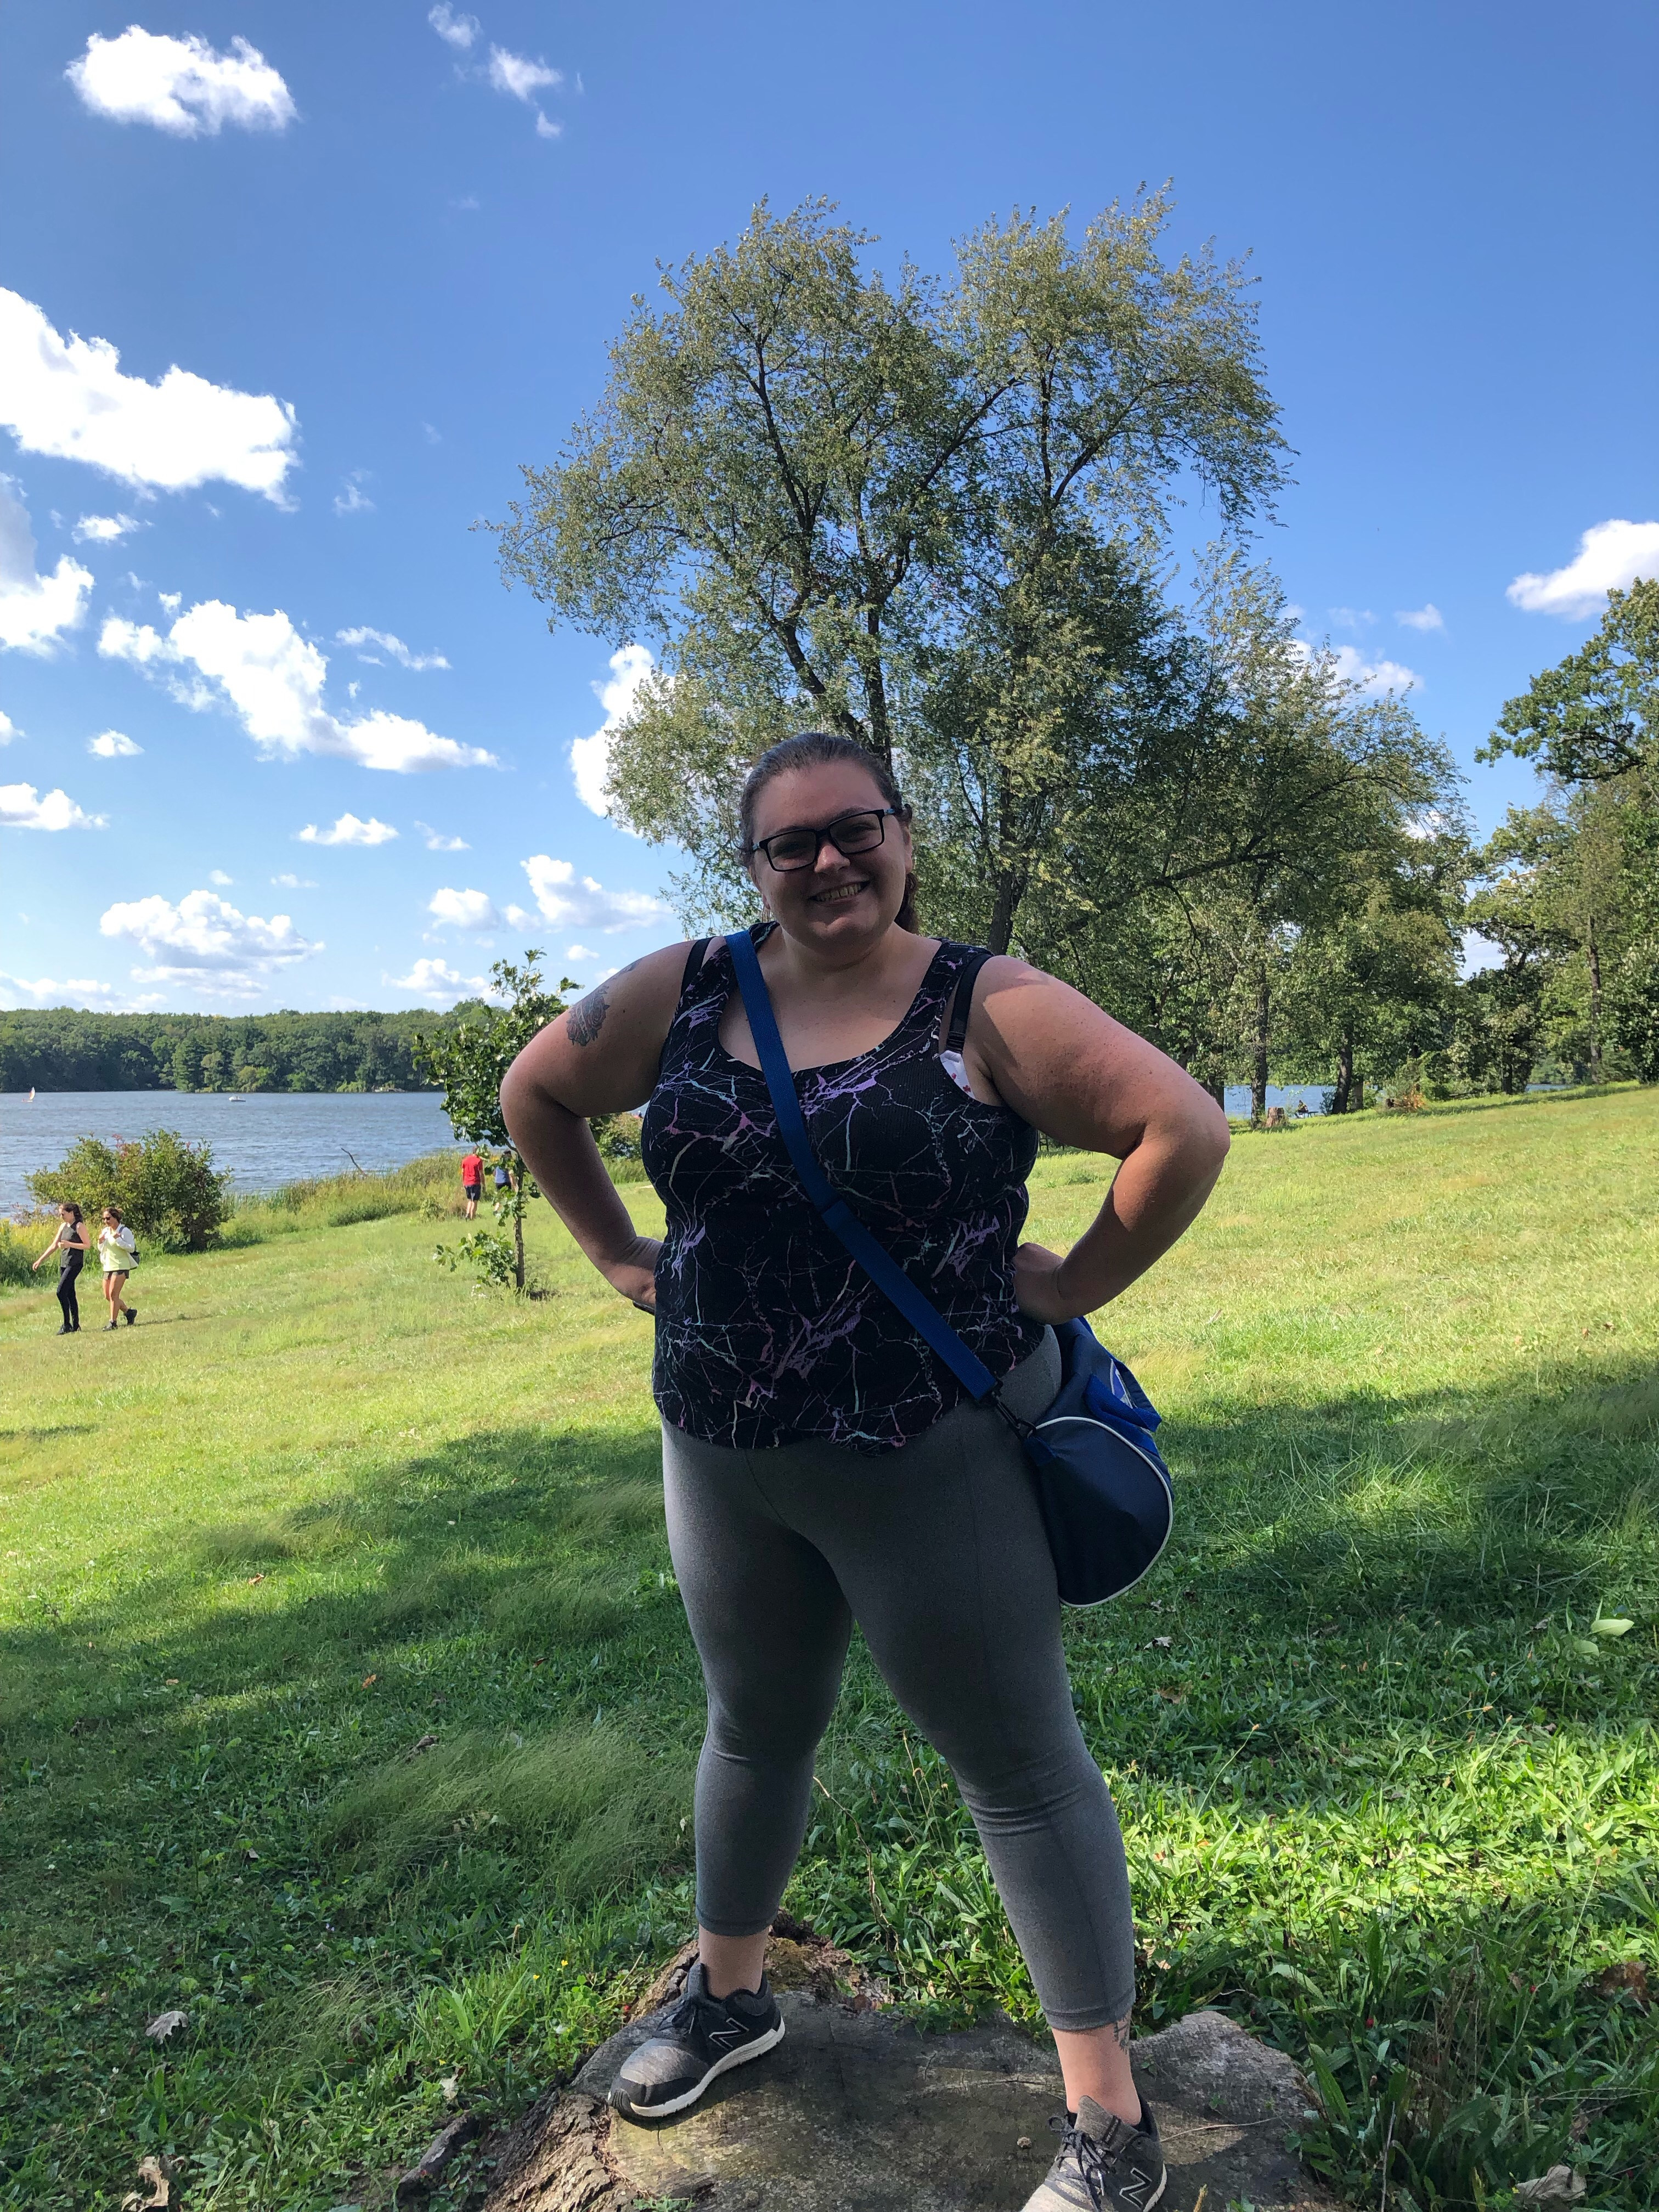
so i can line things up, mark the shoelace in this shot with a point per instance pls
(1092, 2162)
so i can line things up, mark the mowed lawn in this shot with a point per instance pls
(347, 1708)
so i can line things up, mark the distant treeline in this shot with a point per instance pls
(62, 1048)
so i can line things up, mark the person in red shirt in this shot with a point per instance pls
(472, 1183)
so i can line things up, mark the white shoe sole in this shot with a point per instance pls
(757, 2049)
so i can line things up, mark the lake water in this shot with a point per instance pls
(1317, 1094)
(264, 1139)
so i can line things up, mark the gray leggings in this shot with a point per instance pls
(939, 1551)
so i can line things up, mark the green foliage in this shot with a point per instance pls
(922, 517)
(469, 1063)
(66, 1049)
(429, 1186)
(17, 1255)
(486, 1253)
(166, 1189)
(1594, 716)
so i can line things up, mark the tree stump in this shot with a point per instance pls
(857, 2111)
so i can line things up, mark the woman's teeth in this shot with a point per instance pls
(840, 891)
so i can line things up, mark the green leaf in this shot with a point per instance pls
(1602, 1625)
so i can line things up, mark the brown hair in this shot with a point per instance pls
(68, 1206)
(823, 748)
(115, 1211)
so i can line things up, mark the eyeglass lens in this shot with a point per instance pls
(800, 848)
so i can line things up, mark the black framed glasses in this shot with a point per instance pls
(850, 834)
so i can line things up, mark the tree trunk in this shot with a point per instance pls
(1594, 953)
(1003, 909)
(518, 1224)
(1344, 1074)
(1258, 1048)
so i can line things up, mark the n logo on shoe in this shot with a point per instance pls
(725, 2036)
(1133, 2190)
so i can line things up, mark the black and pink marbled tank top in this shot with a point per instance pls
(767, 1330)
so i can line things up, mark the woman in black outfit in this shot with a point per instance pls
(71, 1247)
(820, 1464)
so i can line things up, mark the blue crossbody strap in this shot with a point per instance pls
(970, 1370)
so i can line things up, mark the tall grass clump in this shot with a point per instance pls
(429, 1185)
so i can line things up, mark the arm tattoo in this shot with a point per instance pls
(586, 1018)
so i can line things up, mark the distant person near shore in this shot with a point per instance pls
(71, 1247)
(117, 1251)
(472, 1183)
(503, 1182)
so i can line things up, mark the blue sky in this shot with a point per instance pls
(391, 258)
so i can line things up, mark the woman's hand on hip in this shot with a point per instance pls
(1037, 1289)
(635, 1274)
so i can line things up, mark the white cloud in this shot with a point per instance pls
(545, 129)
(68, 399)
(114, 744)
(436, 980)
(273, 679)
(455, 30)
(590, 758)
(34, 610)
(520, 77)
(348, 830)
(292, 883)
(570, 901)
(9, 730)
(180, 85)
(517, 917)
(395, 646)
(464, 909)
(351, 498)
(1352, 617)
(1423, 617)
(437, 843)
(579, 952)
(1477, 953)
(204, 942)
(75, 991)
(21, 807)
(217, 877)
(1611, 556)
(1372, 678)
(102, 529)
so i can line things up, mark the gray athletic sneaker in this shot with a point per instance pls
(1105, 2164)
(703, 2036)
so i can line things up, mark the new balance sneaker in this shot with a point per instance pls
(1105, 2164)
(702, 2037)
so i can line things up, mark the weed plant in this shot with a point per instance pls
(347, 1705)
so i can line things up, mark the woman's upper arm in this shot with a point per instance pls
(600, 1056)
(1076, 1075)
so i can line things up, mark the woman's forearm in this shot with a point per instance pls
(1156, 1196)
(558, 1147)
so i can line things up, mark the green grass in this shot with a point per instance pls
(1386, 1796)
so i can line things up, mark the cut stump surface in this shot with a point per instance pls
(858, 2111)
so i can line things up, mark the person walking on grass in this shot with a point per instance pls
(472, 1183)
(71, 1247)
(117, 1251)
(820, 1465)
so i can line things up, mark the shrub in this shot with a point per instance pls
(16, 1255)
(165, 1188)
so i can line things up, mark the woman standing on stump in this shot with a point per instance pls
(821, 1466)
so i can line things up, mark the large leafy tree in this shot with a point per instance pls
(823, 497)
(1595, 715)
(468, 1062)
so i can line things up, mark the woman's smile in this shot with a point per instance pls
(839, 892)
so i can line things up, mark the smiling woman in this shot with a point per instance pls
(820, 1464)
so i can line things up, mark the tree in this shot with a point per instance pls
(1595, 715)
(822, 498)
(468, 1062)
